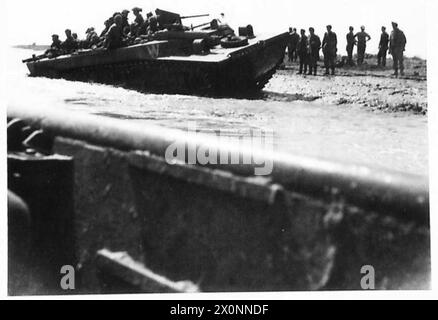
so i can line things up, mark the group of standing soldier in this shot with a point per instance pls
(117, 33)
(306, 48)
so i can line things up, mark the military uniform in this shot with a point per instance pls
(329, 49)
(70, 44)
(361, 45)
(91, 38)
(56, 45)
(350, 46)
(153, 25)
(108, 24)
(397, 44)
(294, 38)
(125, 22)
(139, 19)
(55, 48)
(139, 26)
(114, 37)
(143, 26)
(314, 46)
(303, 53)
(383, 49)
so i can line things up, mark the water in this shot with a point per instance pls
(347, 133)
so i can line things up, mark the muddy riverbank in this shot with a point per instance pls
(368, 85)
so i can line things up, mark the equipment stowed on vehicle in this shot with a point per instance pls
(208, 58)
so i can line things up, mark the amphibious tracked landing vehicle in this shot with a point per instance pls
(211, 60)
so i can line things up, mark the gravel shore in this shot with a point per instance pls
(367, 85)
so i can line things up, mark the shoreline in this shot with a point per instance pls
(367, 85)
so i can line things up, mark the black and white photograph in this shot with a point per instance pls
(193, 147)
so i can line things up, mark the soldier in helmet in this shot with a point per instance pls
(294, 38)
(69, 45)
(362, 38)
(115, 38)
(139, 26)
(303, 53)
(149, 15)
(91, 38)
(314, 46)
(153, 25)
(397, 44)
(138, 17)
(76, 40)
(108, 23)
(55, 48)
(329, 49)
(351, 42)
(56, 43)
(125, 19)
(383, 48)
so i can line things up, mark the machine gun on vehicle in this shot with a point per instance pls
(35, 58)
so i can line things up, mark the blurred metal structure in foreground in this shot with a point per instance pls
(310, 225)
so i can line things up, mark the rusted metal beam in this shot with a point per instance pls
(403, 195)
(256, 188)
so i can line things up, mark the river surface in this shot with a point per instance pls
(348, 133)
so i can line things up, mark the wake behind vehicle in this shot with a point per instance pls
(177, 59)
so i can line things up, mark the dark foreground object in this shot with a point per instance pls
(140, 224)
(174, 64)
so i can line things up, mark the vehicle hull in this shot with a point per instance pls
(160, 66)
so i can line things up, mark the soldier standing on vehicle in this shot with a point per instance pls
(314, 46)
(383, 48)
(294, 38)
(138, 27)
(149, 15)
(362, 38)
(397, 44)
(303, 51)
(108, 23)
(56, 43)
(153, 25)
(91, 38)
(70, 44)
(329, 49)
(55, 47)
(114, 38)
(125, 19)
(351, 41)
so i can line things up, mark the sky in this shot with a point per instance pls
(35, 21)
